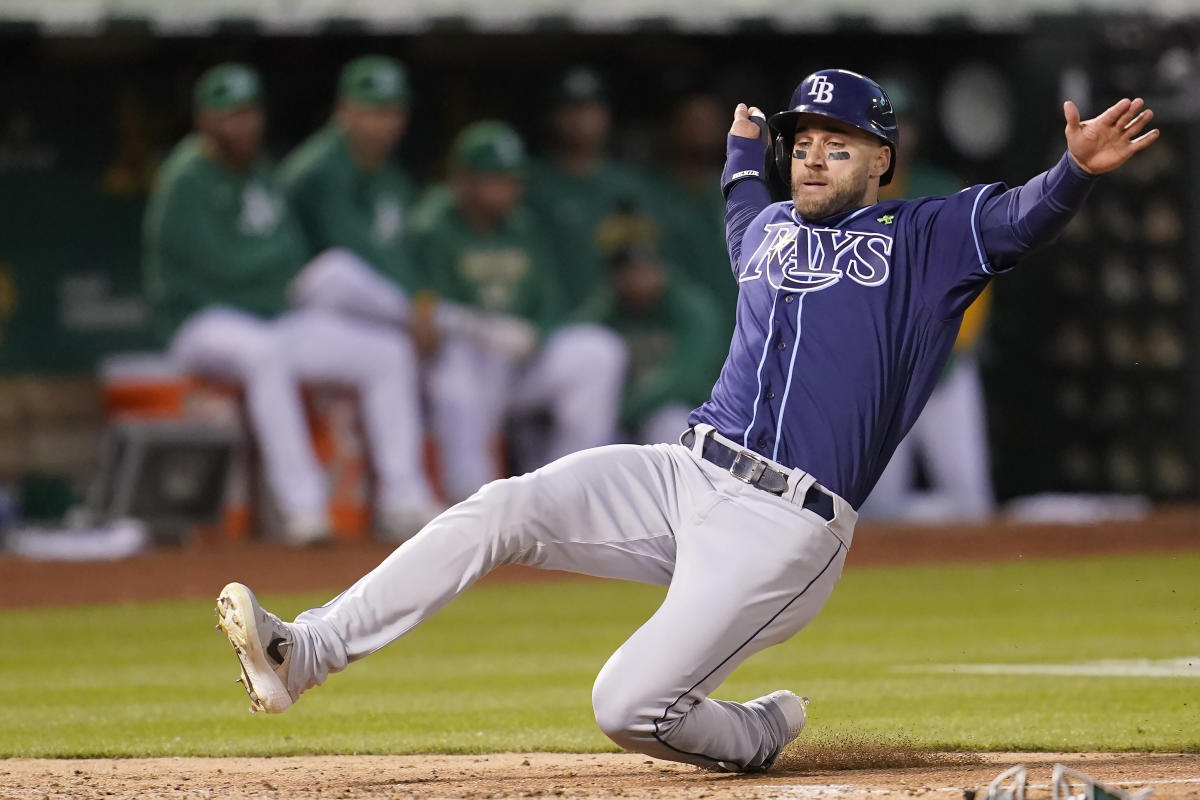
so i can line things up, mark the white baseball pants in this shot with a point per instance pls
(951, 436)
(578, 374)
(270, 359)
(745, 570)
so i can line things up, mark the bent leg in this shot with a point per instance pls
(579, 374)
(468, 394)
(229, 344)
(956, 444)
(750, 573)
(379, 362)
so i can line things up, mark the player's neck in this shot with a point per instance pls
(211, 149)
(478, 219)
(580, 163)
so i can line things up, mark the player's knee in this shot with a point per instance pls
(601, 348)
(619, 714)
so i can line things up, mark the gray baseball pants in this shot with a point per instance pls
(745, 569)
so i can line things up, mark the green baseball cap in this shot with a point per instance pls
(488, 146)
(374, 81)
(227, 87)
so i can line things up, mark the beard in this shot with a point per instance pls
(850, 192)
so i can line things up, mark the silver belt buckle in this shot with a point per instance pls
(747, 467)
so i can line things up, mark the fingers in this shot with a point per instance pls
(741, 112)
(755, 111)
(1130, 113)
(1072, 115)
(1145, 140)
(1114, 112)
(1135, 125)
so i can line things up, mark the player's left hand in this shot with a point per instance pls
(1106, 142)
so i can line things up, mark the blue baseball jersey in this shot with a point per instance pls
(844, 324)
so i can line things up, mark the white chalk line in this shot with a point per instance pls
(1186, 667)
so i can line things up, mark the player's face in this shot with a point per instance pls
(490, 195)
(237, 134)
(582, 127)
(702, 119)
(835, 167)
(372, 132)
(641, 283)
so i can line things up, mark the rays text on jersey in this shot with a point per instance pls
(799, 258)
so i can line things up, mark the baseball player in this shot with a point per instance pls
(577, 186)
(847, 310)
(341, 181)
(221, 246)
(686, 199)
(479, 247)
(667, 322)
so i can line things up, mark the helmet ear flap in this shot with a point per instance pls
(783, 160)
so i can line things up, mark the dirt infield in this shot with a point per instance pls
(201, 571)
(516, 775)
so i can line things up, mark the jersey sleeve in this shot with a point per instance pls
(966, 238)
(946, 247)
(746, 194)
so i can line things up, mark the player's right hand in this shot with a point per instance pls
(746, 127)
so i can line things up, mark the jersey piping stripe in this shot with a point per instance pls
(787, 387)
(753, 636)
(761, 362)
(858, 213)
(975, 230)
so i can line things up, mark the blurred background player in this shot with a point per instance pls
(949, 439)
(353, 202)
(220, 248)
(686, 199)
(478, 245)
(342, 182)
(675, 349)
(576, 186)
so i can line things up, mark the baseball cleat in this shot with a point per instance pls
(263, 645)
(794, 709)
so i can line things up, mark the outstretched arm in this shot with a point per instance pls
(1023, 218)
(745, 192)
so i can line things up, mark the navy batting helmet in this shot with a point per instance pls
(842, 95)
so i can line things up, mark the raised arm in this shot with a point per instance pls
(742, 181)
(1023, 218)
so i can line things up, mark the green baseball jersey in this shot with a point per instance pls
(507, 270)
(215, 238)
(675, 348)
(340, 205)
(692, 223)
(574, 209)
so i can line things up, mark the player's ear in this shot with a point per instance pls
(881, 161)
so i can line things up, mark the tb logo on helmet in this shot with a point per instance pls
(821, 90)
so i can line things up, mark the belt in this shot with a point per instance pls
(749, 467)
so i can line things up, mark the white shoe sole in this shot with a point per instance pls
(237, 617)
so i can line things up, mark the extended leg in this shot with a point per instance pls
(749, 573)
(608, 512)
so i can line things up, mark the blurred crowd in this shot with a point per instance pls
(526, 307)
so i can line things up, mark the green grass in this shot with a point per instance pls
(510, 667)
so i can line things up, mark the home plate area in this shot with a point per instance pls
(800, 774)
